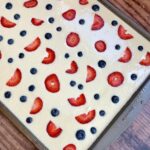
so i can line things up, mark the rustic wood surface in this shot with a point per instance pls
(136, 137)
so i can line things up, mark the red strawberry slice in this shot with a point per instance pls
(30, 3)
(52, 83)
(83, 2)
(127, 56)
(98, 22)
(73, 69)
(52, 130)
(146, 60)
(7, 23)
(86, 118)
(122, 33)
(100, 46)
(91, 74)
(0, 55)
(50, 58)
(15, 79)
(79, 101)
(37, 106)
(72, 39)
(115, 79)
(37, 22)
(69, 14)
(34, 45)
(70, 147)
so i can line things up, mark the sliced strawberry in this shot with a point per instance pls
(37, 22)
(52, 83)
(34, 45)
(7, 23)
(15, 79)
(0, 55)
(72, 39)
(70, 147)
(52, 130)
(100, 46)
(73, 69)
(30, 3)
(81, 100)
(69, 14)
(83, 2)
(98, 22)
(37, 106)
(86, 118)
(115, 79)
(91, 74)
(126, 56)
(50, 58)
(122, 33)
(146, 61)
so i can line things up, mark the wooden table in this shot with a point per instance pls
(136, 137)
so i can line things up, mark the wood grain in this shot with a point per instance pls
(137, 136)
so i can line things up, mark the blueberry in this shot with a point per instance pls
(95, 7)
(81, 21)
(49, 7)
(48, 36)
(72, 83)
(114, 23)
(54, 112)
(102, 64)
(16, 16)
(58, 29)
(102, 113)
(33, 70)
(93, 130)
(10, 41)
(51, 20)
(29, 120)
(80, 54)
(21, 55)
(115, 99)
(9, 6)
(117, 47)
(66, 55)
(1, 38)
(80, 86)
(96, 96)
(10, 60)
(31, 88)
(7, 94)
(140, 48)
(133, 76)
(80, 134)
(23, 33)
(23, 98)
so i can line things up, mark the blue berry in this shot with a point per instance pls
(10, 60)
(80, 86)
(1, 38)
(80, 54)
(10, 41)
(66, 55)
(117, 47)
(102, 64)
(48, 36)
(9, 6)
(33, 70)
(115, 99)
(102, 113)
(72, 83)
(51, 20)
(140, 48)
(114, 23)
(54, 112)
(96, 96)
(21, 55)
(80, 135)
(7, 94)
(16, 16)
(133, 76)
(31, 88)
(49, 7)
(23, 33)
(29, 120)
(58, 29)
(81, 21)
(23, 98)
(95, 7)
(93, 130)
